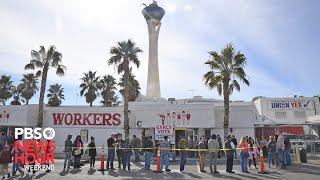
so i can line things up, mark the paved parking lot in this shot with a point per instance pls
(295, 171)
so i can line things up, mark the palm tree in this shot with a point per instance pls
(108, 87)
(115, 101)
(55, 95)
(16, 92)
(6, 88)
(134, 87)
(122, 55)
(43, 60)
(90, 86)
(29, 86)
(225, 69)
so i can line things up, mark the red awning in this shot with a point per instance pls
(298, 130)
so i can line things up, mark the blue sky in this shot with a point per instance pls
(279, 38)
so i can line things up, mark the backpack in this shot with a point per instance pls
(286, 143)
(6, 157)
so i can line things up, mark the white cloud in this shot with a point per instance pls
(188, 8)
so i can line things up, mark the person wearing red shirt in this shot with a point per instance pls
(244, 149)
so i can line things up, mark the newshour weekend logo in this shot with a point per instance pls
(35, 154)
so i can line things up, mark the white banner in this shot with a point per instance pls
(14, 116)
(163, 130)
(291, 105)
(177, 115)
(98, 117)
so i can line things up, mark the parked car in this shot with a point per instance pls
(301, 144)
(310, 139)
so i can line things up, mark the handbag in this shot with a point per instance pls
(77, 152)
(246, 155)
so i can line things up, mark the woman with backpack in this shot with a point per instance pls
(5, 159)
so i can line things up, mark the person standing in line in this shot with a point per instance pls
(183, 153)
(77, 151)
(287, 148)
(235, 143)
(272, 150)
(3, 140)
(127, 151)
(136, 144)
(111, 143)
(92, 152)
(10, 140)
(213, 146)
(202, 153)
(148, 153)
(196, 146)
(281, 148)
(164, 154)
(190, 146)
(244, 154)
(5, 160)
(277, 158)
(263, 143)
(16, 165)
(229, 153)
(68, 152)
(253, 153)
(220, 145)
(120, 154)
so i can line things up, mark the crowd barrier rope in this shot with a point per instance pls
(169, 149)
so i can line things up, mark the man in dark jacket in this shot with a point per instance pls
(68, 152)
(234, 140)
(92, 152)
(148, 152)
(220, 145)
(229, 154)
(120, 154)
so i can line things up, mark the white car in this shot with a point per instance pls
(301, 144)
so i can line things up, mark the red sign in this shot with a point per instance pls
(86, 119)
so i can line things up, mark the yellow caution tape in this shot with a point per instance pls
(169, 149)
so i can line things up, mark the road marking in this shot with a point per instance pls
(198, 167)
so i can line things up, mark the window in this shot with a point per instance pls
(280, 115)
(299, 114)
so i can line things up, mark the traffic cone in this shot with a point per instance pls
(158, 161)
(102, 160)
(262, 170)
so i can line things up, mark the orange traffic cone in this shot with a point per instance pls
(102, 160)
(262, 170)
(158, 161)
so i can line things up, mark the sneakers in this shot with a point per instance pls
(168, 170)
(204, 171)
(183, 171)
(216, 172)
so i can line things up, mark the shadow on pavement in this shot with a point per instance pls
(91, 171)
(63, 173)
(75, 171)
(40, 175)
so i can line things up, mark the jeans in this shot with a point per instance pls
(92, 161)
(111, 153)
(243, 162)
(229, 163)
(287, 155)
(147, 160)
(271, 158)
(282, 157)
(126, 162)
(16, 167)
(164, 161)
(136, 155)
(67, 157)
(120, 156)
(213, 156)
(183, 160)
(277, 158)
(76, 163)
